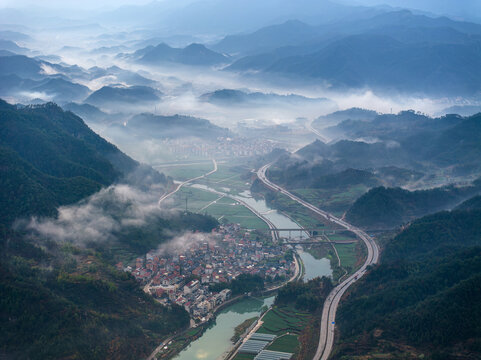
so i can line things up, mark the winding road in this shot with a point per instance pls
(180, 185)
(326, 336)
(317, 133)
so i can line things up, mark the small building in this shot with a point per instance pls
(191, 287)
(225, 294)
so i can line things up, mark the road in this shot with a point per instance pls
(167, 195)
(275, 237)
(270, 224)
(180, 185)
(326, 336)
(317, 133)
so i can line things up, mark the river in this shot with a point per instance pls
(215, 342)
(280, 220)
(314, 267)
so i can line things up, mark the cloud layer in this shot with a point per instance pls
(98, 217)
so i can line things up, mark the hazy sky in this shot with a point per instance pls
(467, 8)
(72, 3)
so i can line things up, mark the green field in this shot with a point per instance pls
(222, 208)
(282, 320)
(299, 213)
(236, 213)
(347, 254)
(342, 236)
(285, 343)
(196, 199)
(185, 172)
(228, 179)
(287, 323)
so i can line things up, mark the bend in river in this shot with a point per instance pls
(215, 343)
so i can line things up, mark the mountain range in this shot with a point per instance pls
(386, 208)
(24, 77)
(177, 126)
(193, 54)
(12, 47)
(108, 96)
(238, 97)
(405, 150)
(401, 25)
(374, 52)
(405, 139)
(230, 16)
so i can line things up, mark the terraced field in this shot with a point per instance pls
(282, 320)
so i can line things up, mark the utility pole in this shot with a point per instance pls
(187, 193)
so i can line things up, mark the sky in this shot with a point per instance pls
(467, 9)
(92, 4)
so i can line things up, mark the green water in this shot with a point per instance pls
(314, 267)
(215, 342)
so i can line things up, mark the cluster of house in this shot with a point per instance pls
(223, 146)
(187, 276)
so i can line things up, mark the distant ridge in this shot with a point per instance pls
(194, 54)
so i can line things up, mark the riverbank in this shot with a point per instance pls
(251, 330)
(216, 343)
(186, 337)
(215, 340)
(204, 326)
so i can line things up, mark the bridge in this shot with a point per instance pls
(353, 241)
(312, 232)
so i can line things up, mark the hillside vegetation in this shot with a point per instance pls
(424, 296)
(62, 298)
(384, 207)
(50, 158)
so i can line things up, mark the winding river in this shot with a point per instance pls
(215, 342)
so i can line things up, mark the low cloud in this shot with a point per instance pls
(391, 144)
(182, 242)
(99, 217)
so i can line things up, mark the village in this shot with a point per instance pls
(197, 277)
(221, 147)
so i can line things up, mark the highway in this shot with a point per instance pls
(317, 133)
(326, 336)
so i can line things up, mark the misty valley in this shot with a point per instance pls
(225, 180)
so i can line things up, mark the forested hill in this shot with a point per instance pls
(382, 208)
(423, 300)
(62, 298)
(471, 204)
(49, 157)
